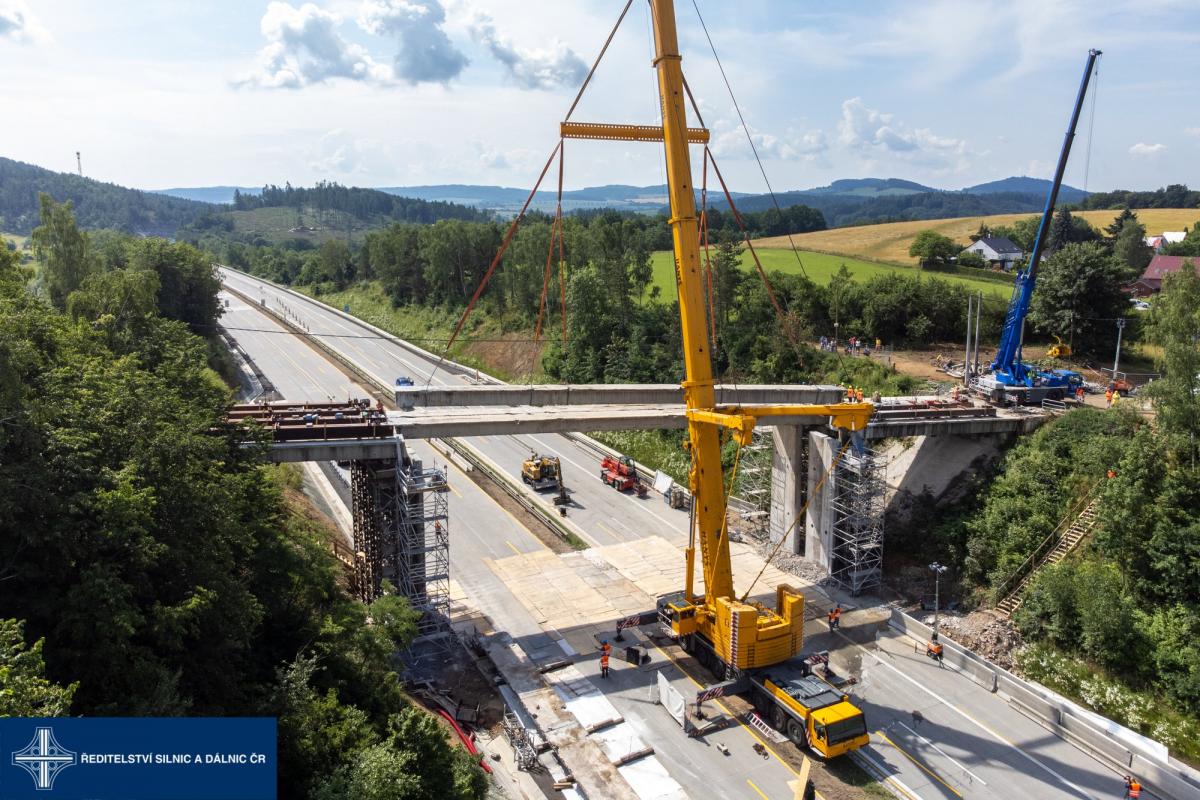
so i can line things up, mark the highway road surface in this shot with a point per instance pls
(934, 731)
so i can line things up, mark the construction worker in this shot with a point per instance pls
(604, 663)
(1133, 789)
(1116, 398)
(878, 344)
(858, 395)
(1108, 396)
(849, 394)
(1079, 394)
(835, 618)
(1112, 473)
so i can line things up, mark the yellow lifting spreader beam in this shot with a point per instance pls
(624, 133)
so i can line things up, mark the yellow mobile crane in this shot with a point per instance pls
(750, 641)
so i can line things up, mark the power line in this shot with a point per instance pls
(376, 337)
(746, 130)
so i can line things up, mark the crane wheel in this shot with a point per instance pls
(795, 732)
(779, 719)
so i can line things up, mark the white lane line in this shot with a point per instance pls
(954, 760)
(1083, 792)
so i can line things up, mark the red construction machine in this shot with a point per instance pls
(620, 473)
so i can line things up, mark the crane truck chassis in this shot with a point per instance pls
(794, 701)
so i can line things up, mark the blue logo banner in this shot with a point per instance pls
(137, 758)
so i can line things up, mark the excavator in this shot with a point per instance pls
(541, 471)
(753, 646)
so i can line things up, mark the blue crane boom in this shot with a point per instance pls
(1008, 369)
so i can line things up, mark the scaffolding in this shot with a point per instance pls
(402, 535)
(754, 488)
(856, 559)
(423, 553)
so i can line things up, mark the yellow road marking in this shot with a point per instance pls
(611, 532)
(755, 788)
(913, 759)
(512, 547)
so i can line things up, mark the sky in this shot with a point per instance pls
(949, 93)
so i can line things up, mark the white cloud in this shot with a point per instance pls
(304, 48)
(1143, 149)
(529, 68)
(426, 54)
(339, 152)
(1192, 132)
(490, 157)
(880, 134)
(18, 25)
(730, 141)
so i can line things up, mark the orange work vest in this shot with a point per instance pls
(1135, 789)
(604, 659)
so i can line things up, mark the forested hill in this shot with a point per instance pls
(97, 204)
(841, 210)
(362, 204)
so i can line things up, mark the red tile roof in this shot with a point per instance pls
(1161, 266)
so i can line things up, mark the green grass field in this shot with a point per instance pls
(820, 267)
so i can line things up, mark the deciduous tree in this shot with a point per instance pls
(65, 251)
(1079, 295)
(933, 248)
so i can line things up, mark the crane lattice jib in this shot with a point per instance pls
(1008, 365)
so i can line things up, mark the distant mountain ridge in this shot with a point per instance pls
(1026, 185)
(839, 194)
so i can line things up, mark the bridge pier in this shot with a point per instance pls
(788, 488)
(401, 534)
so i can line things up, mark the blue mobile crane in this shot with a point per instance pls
(1011, 379)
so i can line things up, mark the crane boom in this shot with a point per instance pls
(1007, 366)
(742, 635)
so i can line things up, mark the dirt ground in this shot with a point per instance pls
(512, 355)
(985, 632)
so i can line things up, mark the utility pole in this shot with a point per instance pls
(938, 569)
(978, 325)
(967, 353)
(79, 163)
(1117, 358)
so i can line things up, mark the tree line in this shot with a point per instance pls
(1176, 195)
(152, 565)
(360, 203)
(619, 327)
